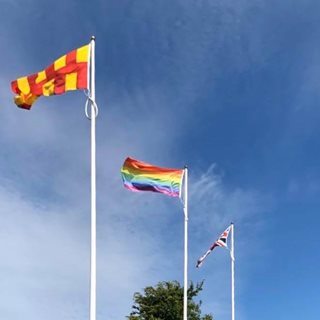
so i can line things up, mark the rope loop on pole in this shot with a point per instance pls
(90, 102)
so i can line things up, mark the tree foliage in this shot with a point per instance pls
(165, 302)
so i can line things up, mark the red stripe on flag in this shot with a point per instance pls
(50, 72)
(32, 79)
(82, 79)
(59, 84)
(71, 57)
(14, 86)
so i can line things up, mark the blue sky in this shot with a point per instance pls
(230, 88)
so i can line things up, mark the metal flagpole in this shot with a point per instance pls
(232, 272)
(185, 209)
(93, 264)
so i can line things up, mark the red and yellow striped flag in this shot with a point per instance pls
(70, 72)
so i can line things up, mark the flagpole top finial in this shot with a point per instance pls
(185, 166)
(93, 38)
(231, 223)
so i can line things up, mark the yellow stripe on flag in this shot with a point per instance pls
(71, 81)
(23, 85)
(48, 88)
(41, 76)
(83, 54)
(60, 63)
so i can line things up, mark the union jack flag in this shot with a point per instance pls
(221, 242)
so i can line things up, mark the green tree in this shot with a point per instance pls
(165, 302)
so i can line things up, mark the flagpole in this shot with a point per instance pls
(93, 261)
(185, 209)
(232, 273)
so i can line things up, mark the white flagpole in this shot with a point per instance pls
(93, 261)
(185, 209)
(232, 272)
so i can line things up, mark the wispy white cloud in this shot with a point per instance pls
(44, 260)
(213, 206)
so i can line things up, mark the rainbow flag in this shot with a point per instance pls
(141, 176)
(69, 72)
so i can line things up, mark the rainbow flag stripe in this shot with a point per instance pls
(141, 176)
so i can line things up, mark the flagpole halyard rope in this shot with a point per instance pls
(90, 102)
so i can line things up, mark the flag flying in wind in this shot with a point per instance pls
(221, 242)
(69, 72)
(142, 176)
